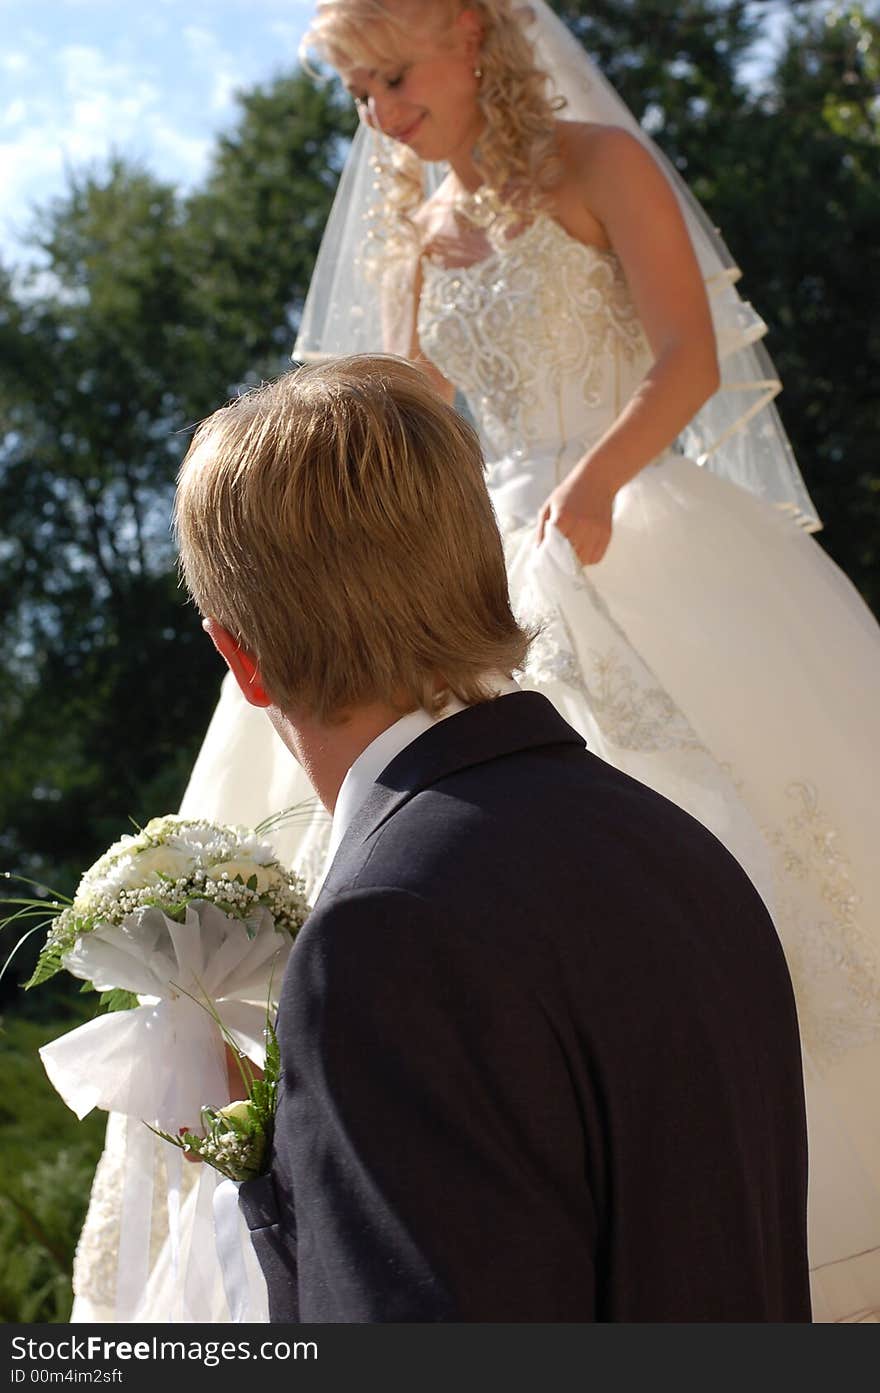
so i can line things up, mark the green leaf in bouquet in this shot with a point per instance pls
(187, 1141)
(272, 1067)
(208, 1117)
(48, 963)
(117, 999)
(259, 1101)
(46, 912)
(24, 938)
(175, 910)
(245, 1163)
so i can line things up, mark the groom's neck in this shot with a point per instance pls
(326, 750)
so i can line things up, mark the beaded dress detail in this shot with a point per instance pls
(542, 358)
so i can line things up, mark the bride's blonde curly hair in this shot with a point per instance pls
(517, 150)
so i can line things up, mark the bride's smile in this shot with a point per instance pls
(423, 91)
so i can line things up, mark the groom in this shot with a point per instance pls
(539, 1047)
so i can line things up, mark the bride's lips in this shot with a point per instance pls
(409, 131)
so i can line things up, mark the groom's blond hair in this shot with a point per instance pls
(336, 523)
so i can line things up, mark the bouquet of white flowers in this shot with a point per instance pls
(171, 863)
(187, 925)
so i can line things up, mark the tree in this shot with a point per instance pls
(798, 197)
(676, 65)
(149, 311)
(257, 224)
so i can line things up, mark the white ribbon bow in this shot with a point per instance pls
(162, 1061)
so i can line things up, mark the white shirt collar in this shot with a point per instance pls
(380, 752)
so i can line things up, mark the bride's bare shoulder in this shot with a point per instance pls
(582, 144)
(603, 166)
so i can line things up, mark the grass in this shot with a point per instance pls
(47, 1160)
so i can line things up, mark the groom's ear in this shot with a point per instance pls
(241, 664)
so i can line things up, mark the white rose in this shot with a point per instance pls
(158, 827)
(155, 862)
(238, 1111)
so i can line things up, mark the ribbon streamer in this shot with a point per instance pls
(244, 1286)
(164, 1060)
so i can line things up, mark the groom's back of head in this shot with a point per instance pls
(337, 523)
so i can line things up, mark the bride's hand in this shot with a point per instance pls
(234, 1082)
(580, 507)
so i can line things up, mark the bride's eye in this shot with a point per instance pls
(396, 80)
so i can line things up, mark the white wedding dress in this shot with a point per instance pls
(715, 653)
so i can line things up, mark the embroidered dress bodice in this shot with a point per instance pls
(542, 338)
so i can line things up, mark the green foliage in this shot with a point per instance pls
(40, 1218)
(48, 965)
(675, 64)
(116, 999)
(48, 1160)
(805, 155)
(258, 222)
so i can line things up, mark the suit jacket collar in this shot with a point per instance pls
(491, 729)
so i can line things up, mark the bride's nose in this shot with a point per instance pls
(383, 112)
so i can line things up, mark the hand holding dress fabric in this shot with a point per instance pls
(582, 511)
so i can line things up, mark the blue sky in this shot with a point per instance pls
(152, 79)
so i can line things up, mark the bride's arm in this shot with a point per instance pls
(620, 186)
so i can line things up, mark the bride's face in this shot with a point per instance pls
(426, 94)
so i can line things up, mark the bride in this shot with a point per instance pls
(503, 221)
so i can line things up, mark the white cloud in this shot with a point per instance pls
(221, 66)
(14, 62)
(155, 83)
(187, 154)
(86, 71)
(27, 167)
(289, 34)
(103, 105)
(201, 42)
(14, 114)
(88, 107)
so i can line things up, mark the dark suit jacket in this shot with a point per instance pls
(540, 1056)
